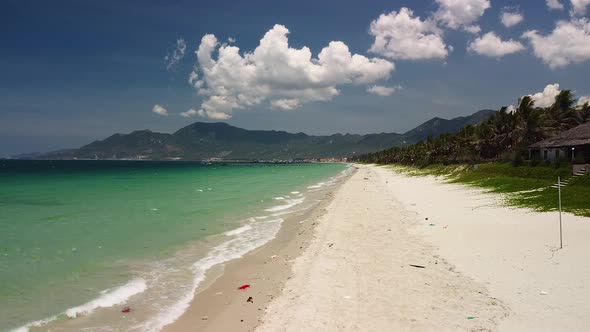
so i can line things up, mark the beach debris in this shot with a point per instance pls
(330, 245)
(543, 293)
(418, 266)
(431, 224)
(204, 318)
(126, 310)
(348, 297)
(243, 287)
(471, 317)
(445, 226)
(366, 178)
(250, 299)
(273, 256)
(425, 218)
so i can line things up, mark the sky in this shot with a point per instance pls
(73, 71)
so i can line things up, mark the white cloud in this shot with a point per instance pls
(383, 91)
(399, 35)
(189, 113)
(554, 4)
(511, 109)
(579, 7)
(568, 43)
(461, 13)
(492, 46)
(583, 100)
(160, 110)
(172, 59)
(285, 104)
(547, 97)
(474, 29)
(276, 73)
(510, 18)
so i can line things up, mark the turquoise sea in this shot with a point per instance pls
(78, 237)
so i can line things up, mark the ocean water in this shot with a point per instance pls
(79, 240)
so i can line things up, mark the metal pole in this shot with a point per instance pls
(560, 229)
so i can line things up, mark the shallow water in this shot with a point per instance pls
(80, 235)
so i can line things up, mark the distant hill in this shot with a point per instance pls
(202, 140)
(438, 126)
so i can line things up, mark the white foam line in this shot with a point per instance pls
(108, 298)
(238, 231)
(258, 235)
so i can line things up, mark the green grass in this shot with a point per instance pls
(522, 186)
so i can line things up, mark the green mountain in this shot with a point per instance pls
(437, 126)
(220, 140)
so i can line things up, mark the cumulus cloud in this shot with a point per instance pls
(189, 113)
(568, 43)
(583, 100)
(554, 4)
(400, 35)
(546, 98)
(160, 110)
(173, 58)
(492, 46)
(579, 7)
(276, 73)
(382, 91)
(510, 18)
(461, 13)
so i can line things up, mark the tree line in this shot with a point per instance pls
(506, 134)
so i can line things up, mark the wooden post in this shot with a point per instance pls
(560, 228)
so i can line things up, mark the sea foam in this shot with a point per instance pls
(109, 298)
(249, 239)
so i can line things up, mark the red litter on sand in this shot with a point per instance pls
(126, 310)
(244, 287)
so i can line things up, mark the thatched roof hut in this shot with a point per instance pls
(577, 136)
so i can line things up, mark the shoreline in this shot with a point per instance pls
(220, 305)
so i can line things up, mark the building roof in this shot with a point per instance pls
(576, 136)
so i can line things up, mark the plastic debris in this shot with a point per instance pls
(418, 266)
(126, 309)
(250, 299)
(273, 256)
(543, 293)
(471, 317)
(246, 286)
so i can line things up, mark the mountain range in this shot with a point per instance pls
(202, 140)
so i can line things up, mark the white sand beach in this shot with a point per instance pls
(487, 267)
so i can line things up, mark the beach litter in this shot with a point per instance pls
(250, 299)
(431, 224)
(543, 293)
(126, 309)
(204, 318)
(471, 317)
(418, 266)
(243, 287)
(330, 245)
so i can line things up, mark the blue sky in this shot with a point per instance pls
(76, 71)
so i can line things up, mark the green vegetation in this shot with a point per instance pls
(505, 136)
(523, 186)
